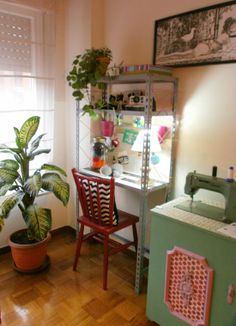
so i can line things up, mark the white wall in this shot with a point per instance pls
(84, 28)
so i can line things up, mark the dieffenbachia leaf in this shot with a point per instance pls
(4, 189)
(35, 144)
(53, 182)
(38, 221)
(7, 203)
(7, 149)
(1, 223)
(33, 184)
(51, 167)
(27, 131)
(9, 164)
(41, 151)
(7, 176)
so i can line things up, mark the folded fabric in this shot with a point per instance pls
(104, 191)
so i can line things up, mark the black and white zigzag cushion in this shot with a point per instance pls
(104, 191)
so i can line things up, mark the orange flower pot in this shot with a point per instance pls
(29, 257)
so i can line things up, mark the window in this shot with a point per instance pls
(27, 44)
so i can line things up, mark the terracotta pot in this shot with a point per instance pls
(104, 63)
(107, 128)
(29, 257)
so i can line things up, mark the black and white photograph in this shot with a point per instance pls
(203, 36)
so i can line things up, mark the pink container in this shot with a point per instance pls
(107, 128)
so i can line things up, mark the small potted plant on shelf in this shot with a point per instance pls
(19, 186)
(87, 70)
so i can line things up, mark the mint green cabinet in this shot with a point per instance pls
(220, 251)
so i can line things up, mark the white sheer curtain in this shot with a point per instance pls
(27, 44)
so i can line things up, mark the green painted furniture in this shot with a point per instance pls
(174, 227)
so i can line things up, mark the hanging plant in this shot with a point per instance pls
(87, 70)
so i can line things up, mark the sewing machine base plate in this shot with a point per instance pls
(200, 208)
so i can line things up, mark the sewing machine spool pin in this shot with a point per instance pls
(214, 171)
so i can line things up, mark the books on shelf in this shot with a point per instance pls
(144, 68)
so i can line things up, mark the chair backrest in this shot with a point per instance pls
(97, 198)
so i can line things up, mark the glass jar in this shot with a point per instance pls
(98, 153)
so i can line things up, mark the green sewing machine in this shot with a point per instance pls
(227, 187)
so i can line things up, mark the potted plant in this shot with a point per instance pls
(19, 186)
(87, 70)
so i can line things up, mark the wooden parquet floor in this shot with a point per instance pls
(59, 296)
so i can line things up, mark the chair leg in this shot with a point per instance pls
(105, 262)
(135, 235)
(78, 246)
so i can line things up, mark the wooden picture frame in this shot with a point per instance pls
(199, 37)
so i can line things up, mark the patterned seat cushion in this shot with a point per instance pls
(104, 191)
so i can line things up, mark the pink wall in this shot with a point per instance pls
(206, 100)
(129, 25)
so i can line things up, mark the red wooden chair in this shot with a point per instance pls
(97, 199)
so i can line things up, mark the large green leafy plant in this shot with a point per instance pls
(20, 187)
(87, 70)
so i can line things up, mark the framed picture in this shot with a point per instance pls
(203, 36)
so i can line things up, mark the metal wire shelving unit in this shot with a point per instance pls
(148, 80)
